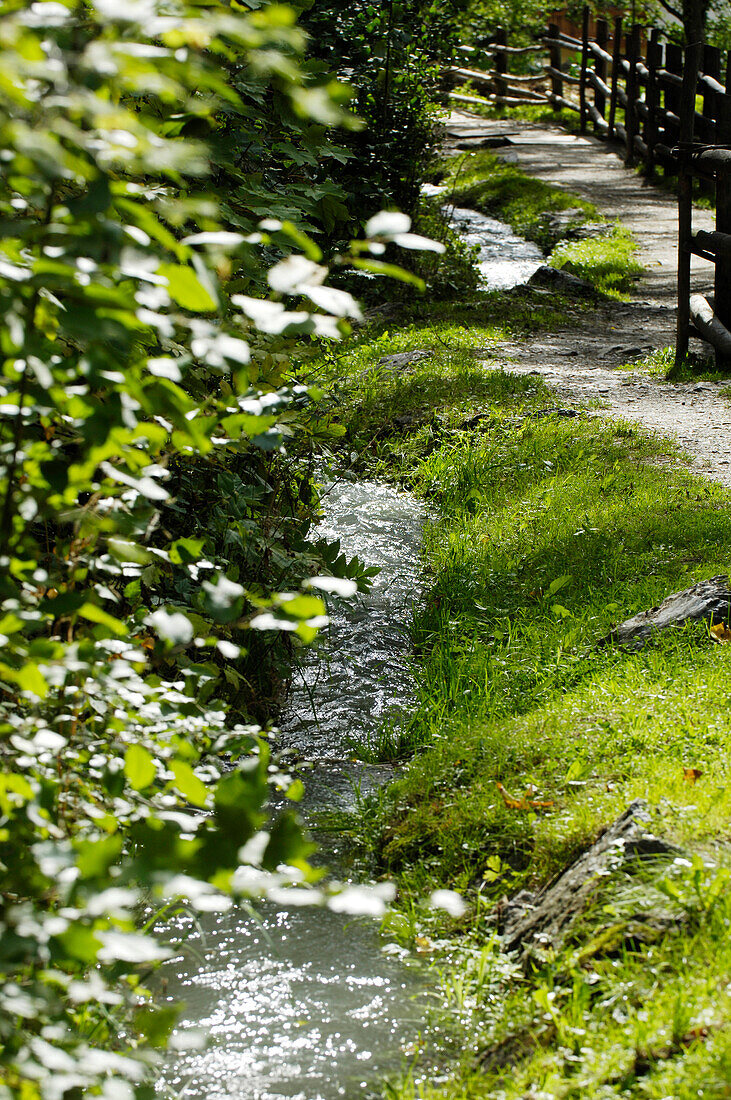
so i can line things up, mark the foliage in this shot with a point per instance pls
(389, 50)
(148, 510)
(524, 21)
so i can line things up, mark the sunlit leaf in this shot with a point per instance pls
(139, 767)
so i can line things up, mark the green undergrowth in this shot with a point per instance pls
(545, 531)
(392, 412)
(486, 183)
(660, 365)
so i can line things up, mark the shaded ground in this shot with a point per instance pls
(581, 363)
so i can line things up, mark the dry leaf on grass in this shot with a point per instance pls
(527, 802)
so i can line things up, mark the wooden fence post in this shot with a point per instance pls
(685, 198)
(711, 66)
(722, 286)
(501, 60)
(654, 56)
(584, 65)
(630, 111)
(600, 66)
(674, 65)
(554, 60)
(616, 62)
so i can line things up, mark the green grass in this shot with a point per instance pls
(607, 263)
(660, 365)
(390, 416)
(546, 531)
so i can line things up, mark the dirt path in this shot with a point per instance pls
(581, 363)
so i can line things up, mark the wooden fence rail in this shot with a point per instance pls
(667, 107)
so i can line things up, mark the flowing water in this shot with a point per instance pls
(503, 259)
(304, 1003)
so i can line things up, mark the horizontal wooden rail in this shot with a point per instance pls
(599, 52)
(567, 78)
(562, 42)
(715, 244)
(669, 80)
(717, 161)
(598, 84)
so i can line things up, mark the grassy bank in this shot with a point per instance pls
(528, 736)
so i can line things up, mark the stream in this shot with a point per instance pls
(504, 260)
(304, 1003)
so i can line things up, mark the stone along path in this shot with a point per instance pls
(581, 362)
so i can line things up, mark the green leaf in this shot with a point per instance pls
(95, 614)
(80, 943)
(139, 767)
(186, 550)
(188, 783)
(156, 1023)
(287, 843)
(302, 607)
(393, 271)
(95, 857)
(186, 289)
(28, 678)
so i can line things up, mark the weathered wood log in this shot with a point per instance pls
(467, 74)
(722, 236)
(584, 67)
(480, 76)
(714, 160)
(554, 64)
(531, 923)
(565, 77)
(565, 41)
(598, 84)
(598, 119)
(517, 50)
(668, 79)
(708, 324)
(460, 98)
(560, 101)
(709, 601)
(501, 60)
(640, 146)
(685, 199)
(654, 58)
(630, 113)
(598, 51)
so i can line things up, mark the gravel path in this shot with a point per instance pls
(581, 363)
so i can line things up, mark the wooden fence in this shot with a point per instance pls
(667, 107)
